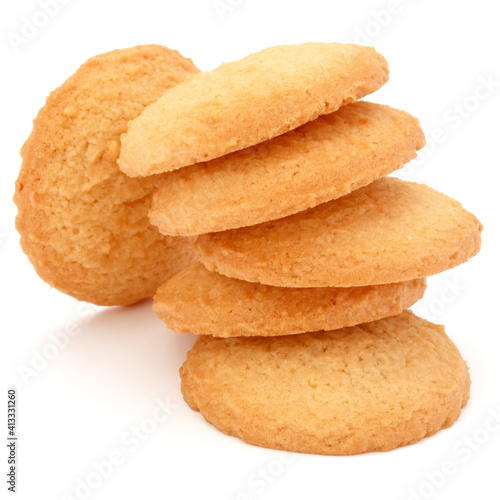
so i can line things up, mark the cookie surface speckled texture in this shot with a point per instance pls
(246, 102)
(386, 232)
(317, 162)
(205, 303)
(83, 223)
(371, 387)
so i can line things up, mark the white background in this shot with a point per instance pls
(81, 406)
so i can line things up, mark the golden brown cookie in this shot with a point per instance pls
(317, 162)
(371, 387)
(205, 303)
(386, 232)
(246, 102)
(83, 223)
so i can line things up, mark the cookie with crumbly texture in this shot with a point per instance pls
(83, 223)
(371, 387)
(386, 232)
(317, 162)
(205, 303)
(248, 101)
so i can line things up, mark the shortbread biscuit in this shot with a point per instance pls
(205, 303)
(386, 232)
(371, 387)
(246, 102)
(317, 162)
(84, 224)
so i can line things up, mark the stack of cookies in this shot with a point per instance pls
(306, 258)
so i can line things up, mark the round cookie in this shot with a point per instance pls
(386, 232)
(205, 303)
(317, 162)
(246, 102)
(84, 224)
(371, 387)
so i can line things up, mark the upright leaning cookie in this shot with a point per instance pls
(386, 232)
(317, 162)
(84, 224)
(205, 303)
(371, 387)
(246, 102)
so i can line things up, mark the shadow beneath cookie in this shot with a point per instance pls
(126, 353)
